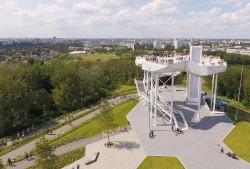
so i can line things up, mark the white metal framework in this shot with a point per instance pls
(196, 67)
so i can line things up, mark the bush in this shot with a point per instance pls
(67, 158)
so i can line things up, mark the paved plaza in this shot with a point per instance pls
(127, 153)
(198, 147)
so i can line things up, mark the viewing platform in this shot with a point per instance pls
(196, 67)
(164, 64)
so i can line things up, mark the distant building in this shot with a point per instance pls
(88, 44)
(131, 46)
(177, 43)
(233, 50)
(245, 52)
(77, 52)
(72, 48)
(157, 44)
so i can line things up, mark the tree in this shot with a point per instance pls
(107, 119)
(45, 157)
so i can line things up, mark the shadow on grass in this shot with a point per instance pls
(241, 116)
(129, 145)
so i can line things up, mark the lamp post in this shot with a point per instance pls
(236, 114)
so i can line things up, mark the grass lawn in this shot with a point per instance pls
(124, 89)
(158, 162)
(95, 126)
(239, 138)
(97, 56)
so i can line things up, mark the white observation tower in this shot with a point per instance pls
(154, 90)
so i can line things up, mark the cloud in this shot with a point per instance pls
(121, 18)
(85, 7)
(160, 7)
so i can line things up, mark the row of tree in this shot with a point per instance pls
(31, 94)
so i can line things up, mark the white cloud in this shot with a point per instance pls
(85, 7)
(160, 7)
(121, 18)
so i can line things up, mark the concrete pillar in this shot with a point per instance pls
(187, 85)
(151, 95)
(211, 100)
(172, 98)
(147, 81)
(215, 91)
(156, 89)
(199, 99)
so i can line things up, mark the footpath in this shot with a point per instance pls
(64, 149)
(30, 145)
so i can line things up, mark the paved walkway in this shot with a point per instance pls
(64, 149)
(29, 146)
(127, 153)
(197, 148)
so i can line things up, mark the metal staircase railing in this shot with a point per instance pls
(163, 107)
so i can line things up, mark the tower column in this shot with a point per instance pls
(215, 91)
(211, 99)
(199, 98)
(187, 85)
(172, 97)
(147, 82)
(151, 96)
(156, 88)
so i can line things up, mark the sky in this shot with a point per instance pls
(125, 19)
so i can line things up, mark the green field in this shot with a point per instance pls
(87, 57)
(158, 162)
(239, 138)
(94, 126)
(124, 89)
(98, 57)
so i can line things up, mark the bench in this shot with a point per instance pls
(92, 159)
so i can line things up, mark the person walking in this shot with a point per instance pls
(221, 150)
(149, 132)
(152, 133)
(9, 162)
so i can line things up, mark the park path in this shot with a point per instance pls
(30, 145)
(66, 148)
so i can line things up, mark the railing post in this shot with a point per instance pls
(172, 97)
(215, 91)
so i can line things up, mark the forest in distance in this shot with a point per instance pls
(34, 93)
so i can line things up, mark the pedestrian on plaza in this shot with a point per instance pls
(149, 132)
(9, 162)
(78, 166)
(125, 129)
(51, 132)
(221, 150)
(152, 133)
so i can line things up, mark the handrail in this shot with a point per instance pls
(163, 106)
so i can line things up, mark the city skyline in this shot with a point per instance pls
(125, 19)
